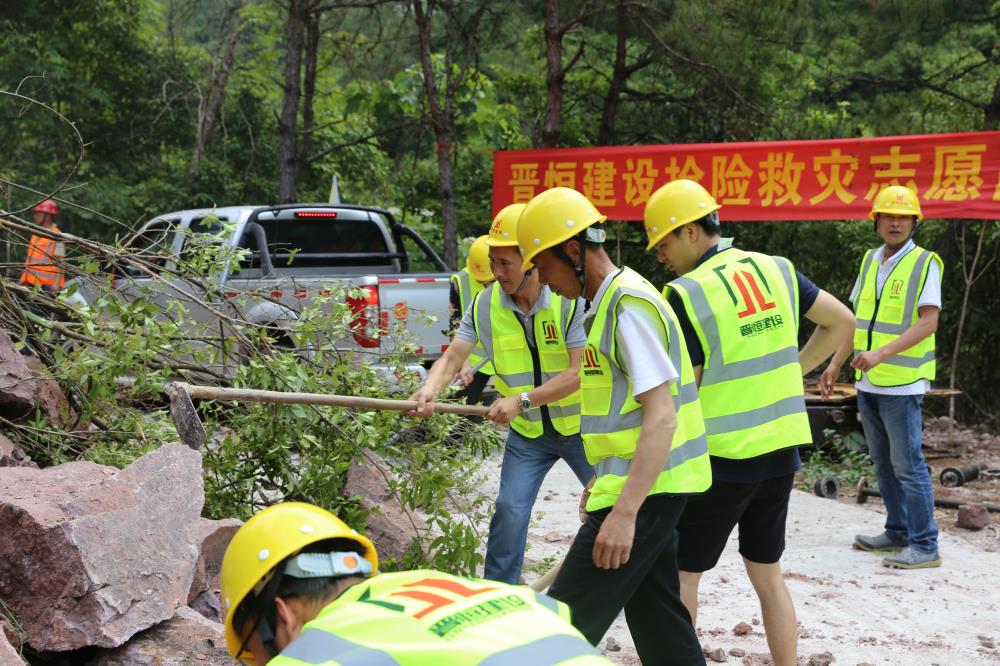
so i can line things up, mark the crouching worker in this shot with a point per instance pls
(301, 587)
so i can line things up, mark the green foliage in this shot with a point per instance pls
(844, 456)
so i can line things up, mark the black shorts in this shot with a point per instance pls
(758, 508)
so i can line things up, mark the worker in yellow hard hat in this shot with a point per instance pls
(301, 587)
(642, 429)
(897, 301)
(535, 340)
(465, 285)
(739, 314)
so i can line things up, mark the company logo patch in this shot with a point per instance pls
(591, 366)
(551, 336)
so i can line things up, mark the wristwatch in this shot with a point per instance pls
(525, 402)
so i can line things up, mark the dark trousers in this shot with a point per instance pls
(647, 587)
(473, 393)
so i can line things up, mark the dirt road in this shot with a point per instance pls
(848, 604)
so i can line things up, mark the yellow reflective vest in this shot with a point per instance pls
(744, 306)
(428, 618)
(468, 289)
(520, 367)
(611, 416)
(881, 318)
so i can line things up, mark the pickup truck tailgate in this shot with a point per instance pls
(419, 303)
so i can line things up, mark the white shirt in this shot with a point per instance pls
(930, 295)
(642, 345)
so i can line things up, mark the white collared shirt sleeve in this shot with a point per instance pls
(642, 350)
(931, 294)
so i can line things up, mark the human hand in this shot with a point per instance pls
(464, 376)
(827, 380)
(614, 541)
(425, 402)
(867, 360)
(503, 411)
(583, 500)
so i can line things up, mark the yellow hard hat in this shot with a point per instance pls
(268, 538)
(478, 262)
(896, 200)
(553, 216)
(503, 231)
(674, 205)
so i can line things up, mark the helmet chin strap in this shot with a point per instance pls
(524, 281)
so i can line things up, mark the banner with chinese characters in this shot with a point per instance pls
(955, 175)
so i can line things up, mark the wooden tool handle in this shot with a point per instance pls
(330, 399)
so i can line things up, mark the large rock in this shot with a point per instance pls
(24, 387)
(91, 555)
(11, 455)
(187, 638)
(9, 640)
(214, 536)
(391, 527)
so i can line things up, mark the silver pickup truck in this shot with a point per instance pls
(293, 254)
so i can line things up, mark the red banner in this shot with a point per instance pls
(955, 175)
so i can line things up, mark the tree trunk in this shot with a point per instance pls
(554, 77)
(969, 276)
(309, 87)
(288, 155)
(442, 133)
(619, 74)
(209, 109)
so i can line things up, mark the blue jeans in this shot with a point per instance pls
(893, 429)
(525, 464)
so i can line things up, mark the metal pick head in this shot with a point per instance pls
(189, 426)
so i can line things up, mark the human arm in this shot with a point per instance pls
(440, 375)
(566, 382)
(926, 325)
(834, 329)
(659, 421)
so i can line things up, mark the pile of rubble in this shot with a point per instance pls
(102, 566)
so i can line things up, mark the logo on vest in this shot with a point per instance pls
(591, 366)
(896, 288)
(549, 329)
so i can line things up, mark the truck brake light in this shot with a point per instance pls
(315, 213)
(366, 323)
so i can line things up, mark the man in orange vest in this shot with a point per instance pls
(42, 265)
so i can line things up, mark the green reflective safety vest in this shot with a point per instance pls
(468, 289)
(881, 318)
(519, 366)
(612, 418)
(428, 618)
(744, 307)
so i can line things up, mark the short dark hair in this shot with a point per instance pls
(709, 224)
(307, 589)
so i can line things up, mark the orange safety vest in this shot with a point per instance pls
(40, 265)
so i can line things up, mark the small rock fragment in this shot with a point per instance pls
(738, 652)
(972, 517)
(717, 655)
(612, 645)
(821, 659)
(742, 629)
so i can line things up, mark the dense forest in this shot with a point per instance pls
(129, 108)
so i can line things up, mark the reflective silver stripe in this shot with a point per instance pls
(549, 650)
(481, 320)
(720, 425)
(315, 646)
(785, 266)
(464, 288)
(515, 379)
(910, 361)
(563, 411)
(603, 425)
(912, 293)
(863, 276)
(716, 374)
(547, 601)
(679, 455)
(706, 317)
